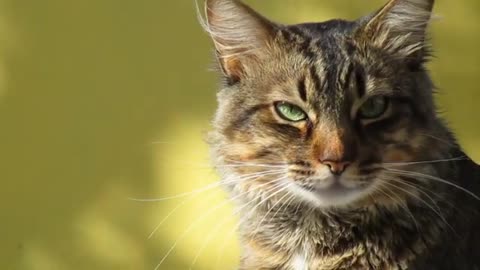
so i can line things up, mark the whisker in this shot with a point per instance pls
(249, 165)
(221, 249)
(422, 200)
(166, 217)
(201, 218)
(297, 208)
(209, 187)
(224, 221)
(282, 164)
(427, 193)
(433, 178)
(170, 214)
(425, 161)
(400, 202)
(283, 185)
(208, 239)
(438, 139)
(271, 208)
(286, 205)
(418, 188)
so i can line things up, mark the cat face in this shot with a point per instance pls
(319, 112)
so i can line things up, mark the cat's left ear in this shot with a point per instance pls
(400, 27)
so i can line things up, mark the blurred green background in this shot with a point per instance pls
(102, 101)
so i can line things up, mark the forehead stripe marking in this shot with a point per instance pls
(302, 89)
(315, 78)
(360, 81)
(304, 43)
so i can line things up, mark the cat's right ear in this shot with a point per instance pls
(239, 33)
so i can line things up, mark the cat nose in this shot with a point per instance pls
(336, 167)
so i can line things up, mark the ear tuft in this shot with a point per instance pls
(238, 33)
(400, 26)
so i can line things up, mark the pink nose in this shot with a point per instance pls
(336, 167)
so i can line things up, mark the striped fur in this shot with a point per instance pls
(409, 196)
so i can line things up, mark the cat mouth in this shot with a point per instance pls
(336, 191)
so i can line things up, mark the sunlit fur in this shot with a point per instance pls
(409, 189)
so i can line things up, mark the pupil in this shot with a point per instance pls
(375, 106)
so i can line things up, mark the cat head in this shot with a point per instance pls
(317, 112)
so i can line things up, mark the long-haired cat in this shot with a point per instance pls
(328, 141)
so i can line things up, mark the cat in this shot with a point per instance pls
(328, 141)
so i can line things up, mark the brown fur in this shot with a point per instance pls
(404, 187)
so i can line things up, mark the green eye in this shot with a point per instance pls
(374, 108)
(290, 112)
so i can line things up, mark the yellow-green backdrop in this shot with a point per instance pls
(106, 100)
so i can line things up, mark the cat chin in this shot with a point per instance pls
(332, 193)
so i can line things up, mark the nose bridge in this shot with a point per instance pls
(334, 144)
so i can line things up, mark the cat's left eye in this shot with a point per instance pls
(290, 112)
(373, 108)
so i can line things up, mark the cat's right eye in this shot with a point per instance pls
(290, 112)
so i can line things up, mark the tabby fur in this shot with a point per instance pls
(414, 203)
